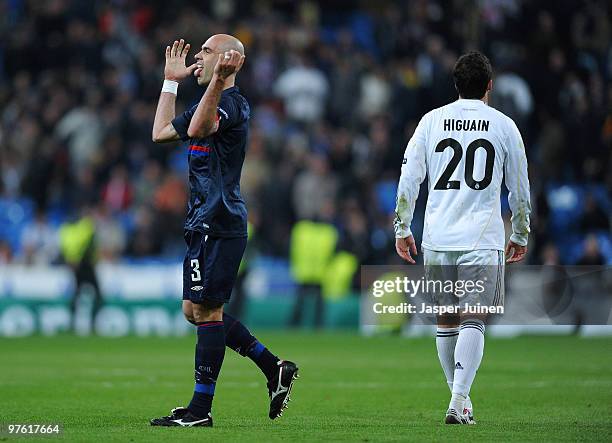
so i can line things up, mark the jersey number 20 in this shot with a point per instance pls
(444, 183)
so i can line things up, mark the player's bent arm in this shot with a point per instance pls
(517, 182)
(166, 134)
(204, 121)
(413, 173)
(163, 130)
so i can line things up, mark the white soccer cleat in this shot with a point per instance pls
(468, 411)
(453, 417)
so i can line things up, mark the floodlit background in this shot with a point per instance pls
(336, 89)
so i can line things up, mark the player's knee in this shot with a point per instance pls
(188, 311)
(207, 311)
(475, 322)
(448, 321)
(474, 318)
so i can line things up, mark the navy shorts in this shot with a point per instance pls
(211, 266)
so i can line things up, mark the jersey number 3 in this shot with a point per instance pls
(445, 184)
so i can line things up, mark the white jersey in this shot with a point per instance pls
(465, 148)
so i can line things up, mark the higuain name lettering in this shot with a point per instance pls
(450, 124)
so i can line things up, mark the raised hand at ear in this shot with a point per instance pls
(228, 63)
(176, 55)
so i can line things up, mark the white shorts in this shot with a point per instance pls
(484, 268)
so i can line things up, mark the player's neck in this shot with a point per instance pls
(484, 99)
(229, 82)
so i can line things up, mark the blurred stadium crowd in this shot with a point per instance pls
(336, 89)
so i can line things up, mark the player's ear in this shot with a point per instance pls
(490, 86)
(240, 63)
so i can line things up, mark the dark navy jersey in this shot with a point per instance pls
(215, 163)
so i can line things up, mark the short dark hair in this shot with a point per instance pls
(472, 74)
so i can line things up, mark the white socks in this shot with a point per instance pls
(446, 338)
(468, 355)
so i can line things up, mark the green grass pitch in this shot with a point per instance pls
(351, 389)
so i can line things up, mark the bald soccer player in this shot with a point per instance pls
(216, 227)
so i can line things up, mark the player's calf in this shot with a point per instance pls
(209, 355)
(468, 355)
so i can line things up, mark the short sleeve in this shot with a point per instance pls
(181, 123)
(229, 113)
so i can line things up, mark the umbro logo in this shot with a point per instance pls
(458, 366)
(197, 288)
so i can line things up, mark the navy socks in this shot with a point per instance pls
(238, 337)
(210, 351)
(213, 336)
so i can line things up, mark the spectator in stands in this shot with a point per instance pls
(144, 240)
(82, 129)
(313, 188)
(594, 218)
(39, 241)
(592, 255)
(117, 194)
(6, 253)
(110, 238)
(304, 90)
(333, 107)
